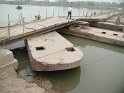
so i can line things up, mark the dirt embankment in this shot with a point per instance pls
(10, 83)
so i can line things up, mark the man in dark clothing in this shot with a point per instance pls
(69, 12)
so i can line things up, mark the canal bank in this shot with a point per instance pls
(9, 82)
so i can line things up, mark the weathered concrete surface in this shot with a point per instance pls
(114, 19)
(9, 83)
(113, 23)
(12, 84)
(54, 54)
(111, 26)
(34, 28)
(83, 23)
(7, 58)
(102, 35)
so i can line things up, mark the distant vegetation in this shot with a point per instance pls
(87, 4)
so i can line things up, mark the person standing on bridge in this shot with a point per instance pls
(69, 12)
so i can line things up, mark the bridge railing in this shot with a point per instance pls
(7, 26)
(6, 33)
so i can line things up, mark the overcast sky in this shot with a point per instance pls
(118, 1)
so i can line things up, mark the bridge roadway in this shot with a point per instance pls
(21, 32)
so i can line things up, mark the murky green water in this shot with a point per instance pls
(102, 70)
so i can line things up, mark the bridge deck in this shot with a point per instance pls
(99, 17)
(20, 32)
(33, 28)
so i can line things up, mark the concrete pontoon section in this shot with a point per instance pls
(8, 64)
(102, 35)
(111, 26)
(50, 52)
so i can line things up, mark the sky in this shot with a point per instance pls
(118, 1)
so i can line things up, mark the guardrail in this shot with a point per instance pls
(11, 24)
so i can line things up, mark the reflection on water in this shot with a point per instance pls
(85, 43)
(19, 44)
(63, 81)
(22, 56)
(102, 70)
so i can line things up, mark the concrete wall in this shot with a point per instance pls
(9, 82)
(7, 58)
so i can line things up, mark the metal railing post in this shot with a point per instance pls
(79, 11)
(53, 12)
(19, 18)
(86, 14)
(58, 12)
(22, 22)
(4, 43)
(39, 16)
(90, 15)
(8, 26)
(83, 13)
(46, 13)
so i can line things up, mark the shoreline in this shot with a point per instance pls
(74, 5)
(11, 81)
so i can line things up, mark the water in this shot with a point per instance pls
(29, 12)
(100, 72)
